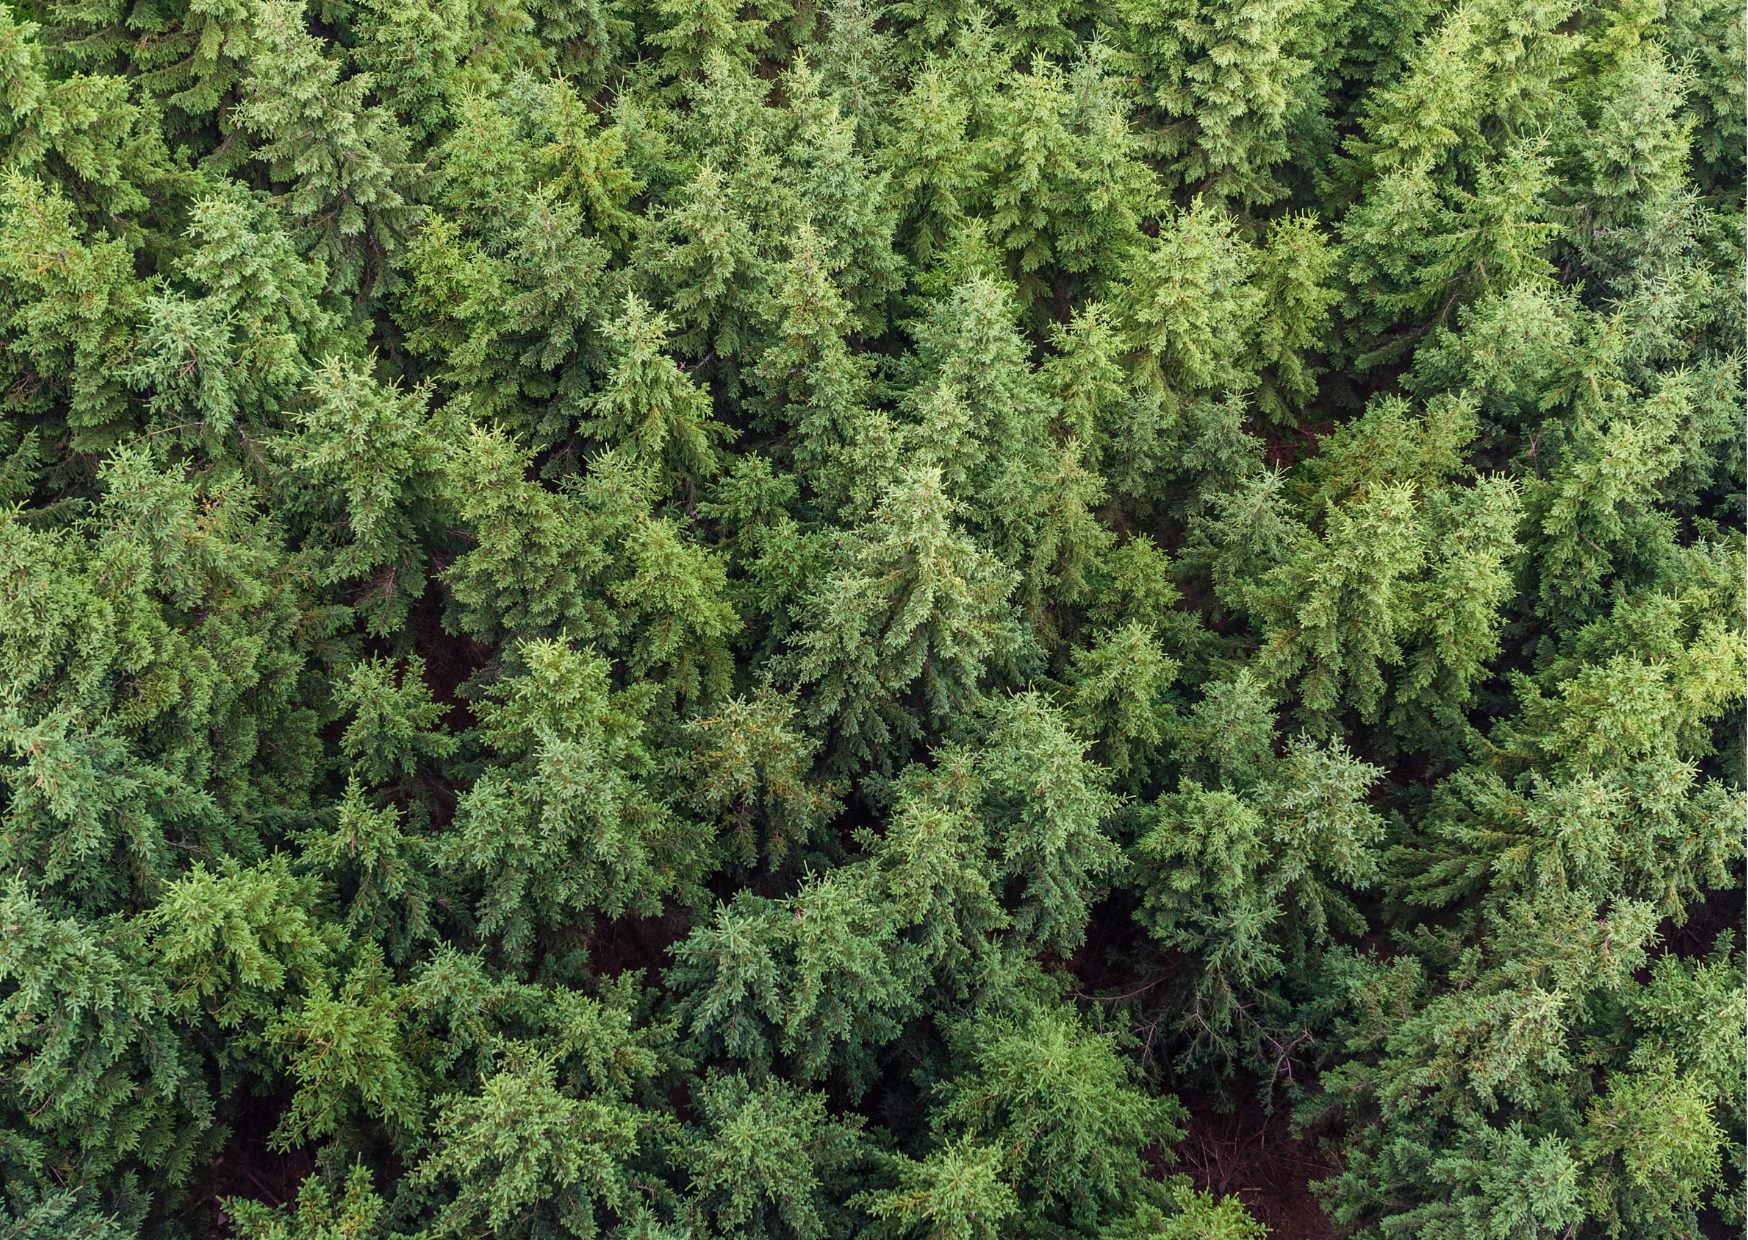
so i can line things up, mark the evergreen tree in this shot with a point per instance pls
(914, 608)
(354, 191)
(382, 445)
(564, 826)
(787, 620)
(649, 406)
(1226, 83)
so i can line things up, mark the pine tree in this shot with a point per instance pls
(786, 620)
(769, 1162)
(1051, 1096)
(524, 1155)
(1293, 269)
(564, 826)
(1330, 612)
(809, 376)
(320, 1210)
(697, 33)
(933, 163)
(857, 64)
(1188, 304)
(1045, 803)
(649, 407)
(913, 612)
(957, 1192)
(750, 767)
(90, 134)
(1226, 82)
(354, 190)
(70, 307)
(819, 985)
(1066, 192)
(841, 194)
(39, 1217)
(712, 268)
(1117, 697)
(382, 444)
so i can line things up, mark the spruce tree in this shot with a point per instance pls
(650, 621)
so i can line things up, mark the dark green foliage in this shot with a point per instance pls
(676, 620)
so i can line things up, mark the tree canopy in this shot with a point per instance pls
(668, 619)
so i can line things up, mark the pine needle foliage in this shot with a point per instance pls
(657, 621)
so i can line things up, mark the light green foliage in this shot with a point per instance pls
(1382, 563)
(1188, 304)
(910, 614)
(934, 872)
(821, 980)
(527, 1157)
(1055, 1100)
(1223, 84)
(229, 941)
(1293, 270)
(697, 32)
(380, 870)
(566, 827)
(356, 191)
(1117, 690)
(1654, 1135)
(534, 550)
(956, 1193)
(506, 288)
(649, 406)
(221, 365)
(354, 1212)
(94, 133)
(769, 1162)
(980, 414)
(1193, 1215)
(1228, 738)
(847, 959)
(99, 666)
(1465, 1052)
(1330, 611)
(396, 724)
(1251, 880)
(809, 376)
(61, 1214)
(1045, 803)
(711, 264)
(386, 457)
(935, 169)
(84, 1020)
(70, 306)
(673, 619)
(1715, 112)
(750, 766)
(343, 1048)
(591, 562)
(1066, 189)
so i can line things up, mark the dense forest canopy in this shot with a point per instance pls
(661, 619)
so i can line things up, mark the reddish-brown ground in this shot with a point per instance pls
(248, 1167)
(449, 659)
(1253, 1155)
(1284, 446)
(640, 943)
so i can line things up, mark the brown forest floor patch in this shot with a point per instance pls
(1252, 1154)
(248, 1167)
